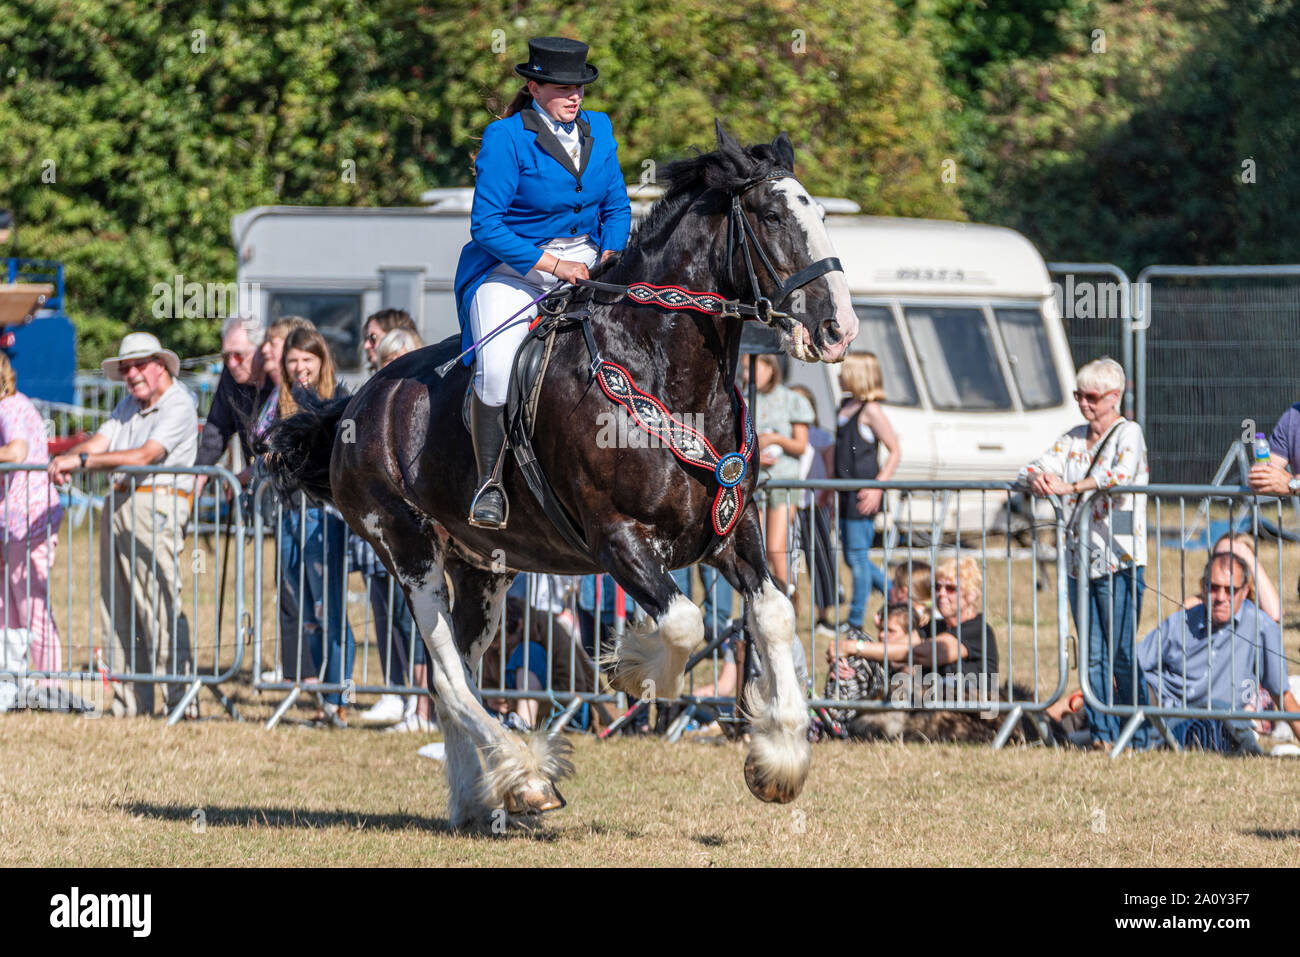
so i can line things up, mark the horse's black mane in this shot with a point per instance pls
(726, 168)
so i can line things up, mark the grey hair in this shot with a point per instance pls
(1102, 374)
(396, 342)
(254, 328)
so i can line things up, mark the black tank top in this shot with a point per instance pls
(855, 458)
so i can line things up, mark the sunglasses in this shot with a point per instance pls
(236, 358)
(127, 365)
(946, 586)
(1092, 397)
(372, 339)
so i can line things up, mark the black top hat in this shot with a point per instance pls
(557, 60)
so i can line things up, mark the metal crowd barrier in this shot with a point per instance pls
(1184, 523)
(931, 522)
(128, 600)
(296, 662)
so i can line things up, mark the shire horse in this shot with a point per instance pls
(397, 461)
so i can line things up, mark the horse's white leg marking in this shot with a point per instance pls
(804, 209)
(651, 656)
(779, 755)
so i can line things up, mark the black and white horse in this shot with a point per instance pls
(735, 223)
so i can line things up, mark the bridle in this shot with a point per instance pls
(740, 232)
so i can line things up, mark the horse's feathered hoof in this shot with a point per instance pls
(535, 800)
(769, 788)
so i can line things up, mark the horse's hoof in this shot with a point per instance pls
(767, 788)
(535, 799)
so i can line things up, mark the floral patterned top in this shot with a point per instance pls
(28, 503)
(1118, 536)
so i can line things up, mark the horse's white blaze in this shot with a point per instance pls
(775, 701)
(804, 211)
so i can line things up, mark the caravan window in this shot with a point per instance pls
(337, 317)
(1030, 355)
(878, 333)
(955, 348)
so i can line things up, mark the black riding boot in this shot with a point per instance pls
(487, 425)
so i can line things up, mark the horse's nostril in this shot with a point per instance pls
(831, 332)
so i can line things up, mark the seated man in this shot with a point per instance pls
(142, 528)
(1217, 655)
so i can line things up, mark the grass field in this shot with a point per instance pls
(214, 793)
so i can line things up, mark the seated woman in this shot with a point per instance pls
(958, 641)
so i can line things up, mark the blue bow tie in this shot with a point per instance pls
(567, 127)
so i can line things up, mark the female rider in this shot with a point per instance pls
(549, 197)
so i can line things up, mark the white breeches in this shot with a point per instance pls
(503, 294)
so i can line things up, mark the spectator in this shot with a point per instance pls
(913, 585)
(1219, 663)
(31, 513)
(397, 343)
(569, 665)
(272, 350)
(1272, 477)
(781, 420)
(401, 651)
(855, 677)
(1261, 590)
(814, 535)
(379, 325)
(142, 528)
(242, 391)
(861, 429)
(1107, 450)
(958, 645)
(306, 363)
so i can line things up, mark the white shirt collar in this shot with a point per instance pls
(555, 127)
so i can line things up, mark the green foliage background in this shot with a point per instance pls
(1113, 131)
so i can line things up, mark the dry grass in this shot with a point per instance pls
(106, 792)
(86, 793)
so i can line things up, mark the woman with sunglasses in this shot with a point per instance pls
(1106, 450)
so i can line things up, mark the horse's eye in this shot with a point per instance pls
(772, 218)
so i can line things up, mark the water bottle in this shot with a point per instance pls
(1261, 447)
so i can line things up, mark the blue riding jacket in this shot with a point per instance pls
(526, 193)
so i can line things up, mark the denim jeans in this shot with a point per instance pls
(305, 549)
(715, 617)
(856, 536)
(1121, 596)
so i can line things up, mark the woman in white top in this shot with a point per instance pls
(1107, 450)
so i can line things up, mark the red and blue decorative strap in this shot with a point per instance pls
(685, 442)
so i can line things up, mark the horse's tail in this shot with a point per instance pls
(298, 448)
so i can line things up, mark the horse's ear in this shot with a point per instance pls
(784, 151)
(732, 162)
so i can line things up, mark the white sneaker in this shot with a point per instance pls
(274, 676)
(389, 709)
(412, 722)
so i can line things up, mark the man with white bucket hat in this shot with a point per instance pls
(142, 528)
